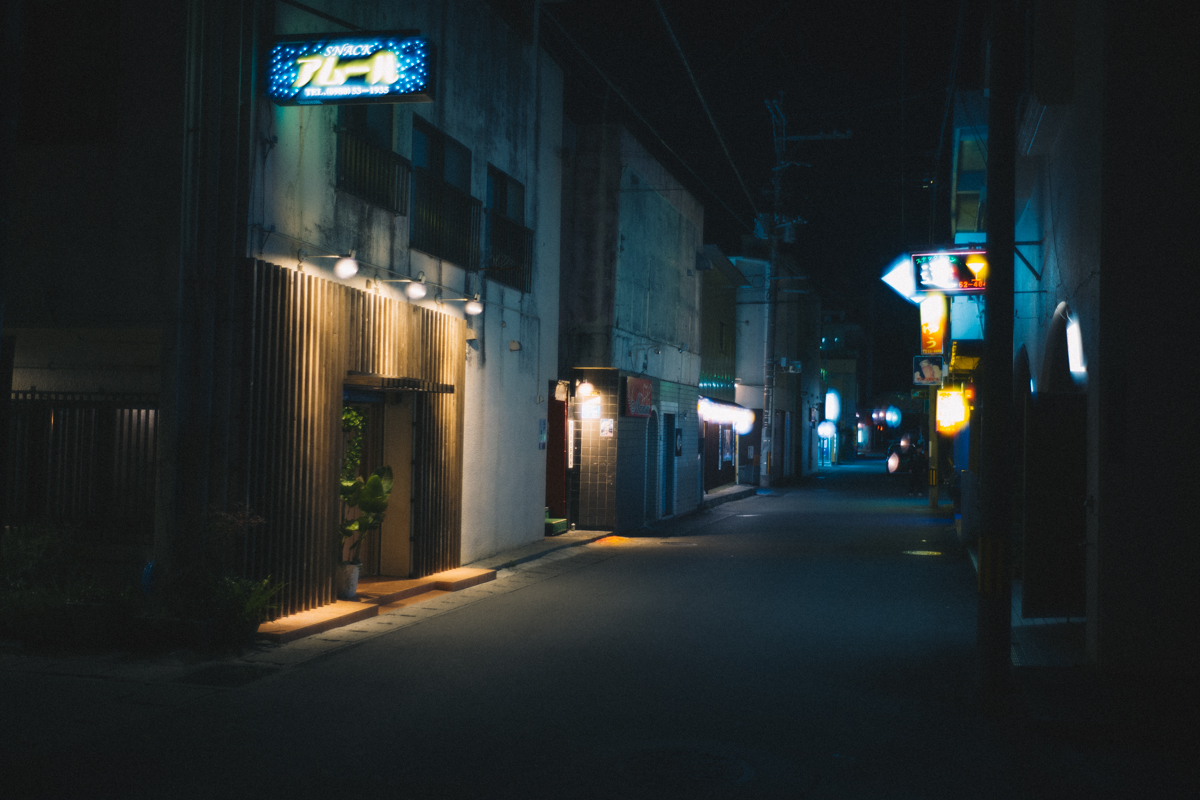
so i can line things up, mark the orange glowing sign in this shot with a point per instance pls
(951, 410)
(933, 325)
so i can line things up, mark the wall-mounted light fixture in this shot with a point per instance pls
(345, 267)
(584, 389)
(416, 289)
(472, 307)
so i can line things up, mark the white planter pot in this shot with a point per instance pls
(347, 580)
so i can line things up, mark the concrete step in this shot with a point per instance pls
(376, 595)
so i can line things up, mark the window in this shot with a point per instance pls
(509, 242)
(367, 167)
(446, 218)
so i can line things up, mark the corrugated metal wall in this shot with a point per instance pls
(307, 333)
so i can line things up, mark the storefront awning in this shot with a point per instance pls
(383, 383)
(722, 412)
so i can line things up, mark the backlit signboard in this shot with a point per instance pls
(951, 273)
(933, 325)
(324, 69)
(951, 410)
(639, 397)
(928, 370)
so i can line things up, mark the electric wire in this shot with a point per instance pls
(704, 104)
(613, 87)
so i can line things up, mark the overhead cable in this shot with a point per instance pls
(708, 113)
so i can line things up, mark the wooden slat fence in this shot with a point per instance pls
(83, 459)
(308, 333)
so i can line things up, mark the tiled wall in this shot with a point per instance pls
(595, 493)
(610, 488)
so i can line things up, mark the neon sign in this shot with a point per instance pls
(951, 273)
(324, 69)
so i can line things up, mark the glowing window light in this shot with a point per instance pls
(1075, 351)
(827, 430)
(951, 410)
(833, 405)
(742, 419)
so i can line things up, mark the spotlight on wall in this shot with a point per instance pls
(473, 306)
(585, 389)
(416, 289)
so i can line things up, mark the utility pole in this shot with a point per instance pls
(994, 630)
(779, 129)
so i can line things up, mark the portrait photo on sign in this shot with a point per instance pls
(928, 370)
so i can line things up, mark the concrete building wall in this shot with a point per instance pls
(498, 95)
(93, 248)
(1103, 167)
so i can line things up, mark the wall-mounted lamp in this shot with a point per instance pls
(585, 389)
(416, 289)
(472, 307)
(346, 267)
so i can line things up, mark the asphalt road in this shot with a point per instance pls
(815, 643)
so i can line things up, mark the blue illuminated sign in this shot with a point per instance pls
(322, 69)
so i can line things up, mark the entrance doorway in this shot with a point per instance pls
(668, 465)
(387, 441)
(652, 459)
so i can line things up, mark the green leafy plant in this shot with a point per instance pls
(370, 497)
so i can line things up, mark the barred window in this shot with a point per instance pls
(446, 218)
(509, 244)
(367, 167)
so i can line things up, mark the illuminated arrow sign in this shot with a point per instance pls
(323, 69)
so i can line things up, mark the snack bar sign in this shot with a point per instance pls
(639, 397)
(324, 69)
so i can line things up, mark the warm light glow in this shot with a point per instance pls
(893, 462)
(833, 405)
(416, 289)
(951, 410)
(933, 324)
(473, 306)
(827, 430)
(584, 389)
(612, 541)
(345, 268)
(742, 419)
(978, 264)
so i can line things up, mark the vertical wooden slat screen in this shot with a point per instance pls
(307, 333)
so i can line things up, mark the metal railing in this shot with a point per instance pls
(83, 459)
(376, 175)
(445, 221)
(510, 252)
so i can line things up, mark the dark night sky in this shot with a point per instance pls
(839, 67)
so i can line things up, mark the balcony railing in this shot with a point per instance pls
(376, 175)
(510, 252)
(445, 221)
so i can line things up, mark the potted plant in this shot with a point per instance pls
(369, 497)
